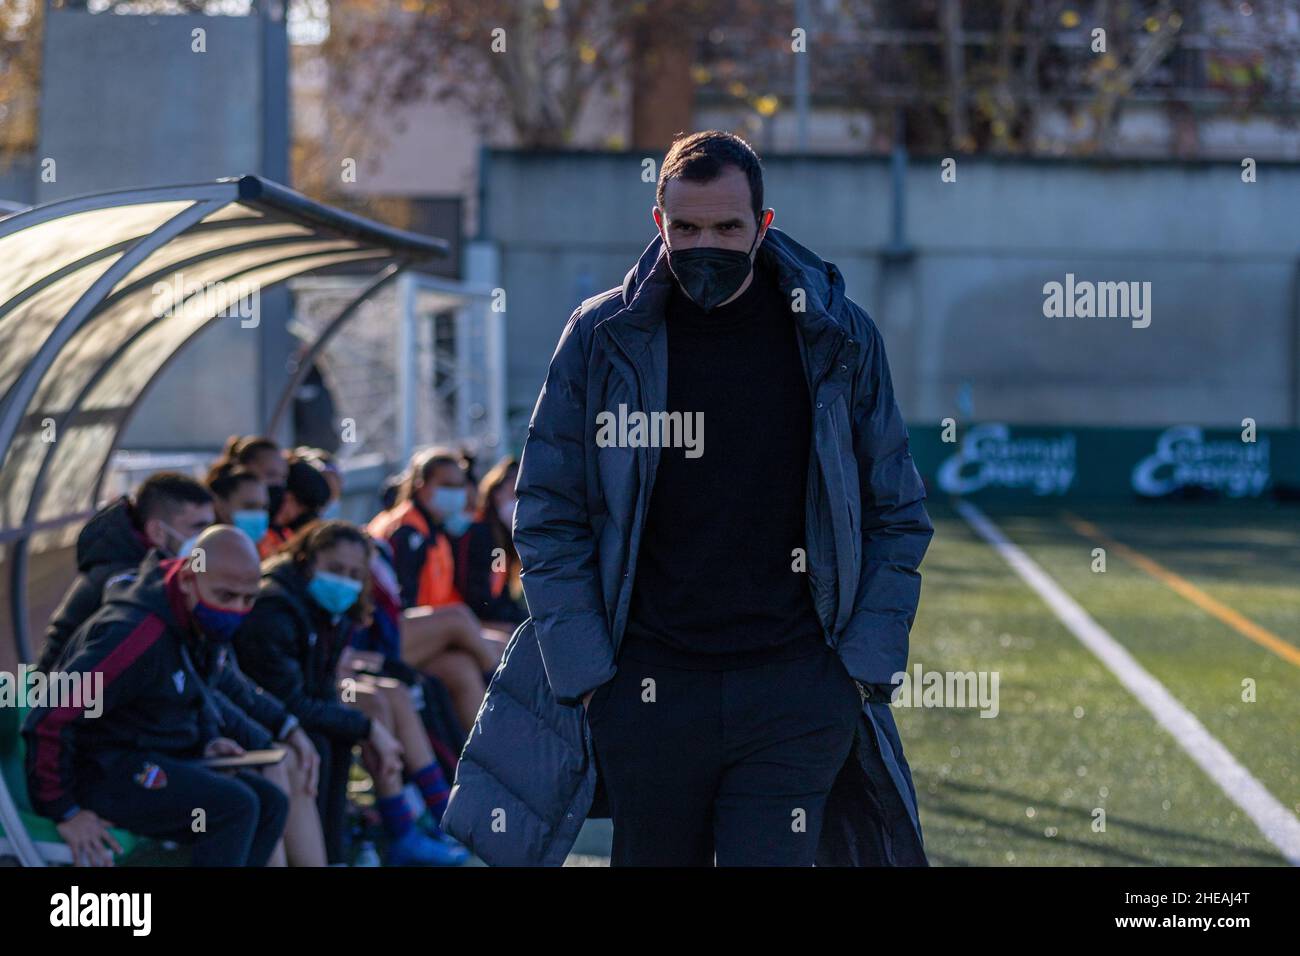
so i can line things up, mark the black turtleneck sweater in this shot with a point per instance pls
(716, 581)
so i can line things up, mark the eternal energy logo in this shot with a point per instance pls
(1184, 458)
(989, 457)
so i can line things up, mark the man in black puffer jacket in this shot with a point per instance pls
(169, 509)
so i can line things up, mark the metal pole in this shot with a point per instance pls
(18, 598)
(464, 364)
(802, 20)
(898, 191)
(1295, 345)
(19, 839)
(406, 369)
(494, 330)
(309, 357)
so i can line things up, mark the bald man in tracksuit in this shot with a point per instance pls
(158, 641)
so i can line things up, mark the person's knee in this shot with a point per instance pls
(398, 697)
(271, 803)
(458, 669)
(274, 809)
(281, 775)
(295, 772)
(229, 804)
(374, 703)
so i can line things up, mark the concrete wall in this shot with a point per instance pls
(963, 317)
(18, 180)
(128, 102)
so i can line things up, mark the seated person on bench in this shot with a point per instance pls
(136, 762)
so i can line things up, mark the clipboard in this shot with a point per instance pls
(249, 758)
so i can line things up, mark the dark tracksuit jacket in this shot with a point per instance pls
(291, 647)
(109, 544)
(486, 592)
(164, 690)
(423, 554)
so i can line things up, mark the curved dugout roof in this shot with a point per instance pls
(88, 321)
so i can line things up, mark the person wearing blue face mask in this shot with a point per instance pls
(441, 636)
(239, 498)
(433, 508)
(312, 599)
(159, 644)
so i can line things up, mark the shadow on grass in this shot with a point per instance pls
(1174, 842)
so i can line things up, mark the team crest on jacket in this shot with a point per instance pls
(179, 680)
(151, 776)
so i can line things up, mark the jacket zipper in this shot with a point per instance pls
(835, 354)
(647, 476)
(828, 630)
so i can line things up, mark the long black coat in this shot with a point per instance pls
(527, 780)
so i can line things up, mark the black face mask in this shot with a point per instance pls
(275, 498)
(711, 276)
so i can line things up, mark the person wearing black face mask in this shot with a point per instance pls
(720, 610)
(153, 648)
(305, 495)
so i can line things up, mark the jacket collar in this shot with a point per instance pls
(648, 283)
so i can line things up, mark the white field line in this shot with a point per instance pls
(1278, 824)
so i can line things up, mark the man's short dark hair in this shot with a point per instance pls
(307, 484)
(161, 495)
(701, 157)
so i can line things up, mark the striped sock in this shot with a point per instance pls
(433, 785)
(396, 814)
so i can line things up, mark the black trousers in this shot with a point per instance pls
(157, 795)
(332, 793)
(726, 767)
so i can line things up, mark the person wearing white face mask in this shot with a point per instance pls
(440, 634)
(167, 512)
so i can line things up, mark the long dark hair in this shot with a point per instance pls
(491, 483)
(423, 465)
(244, 449)
(321, 536)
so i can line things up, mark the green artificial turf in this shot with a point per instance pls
(1025, 787)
